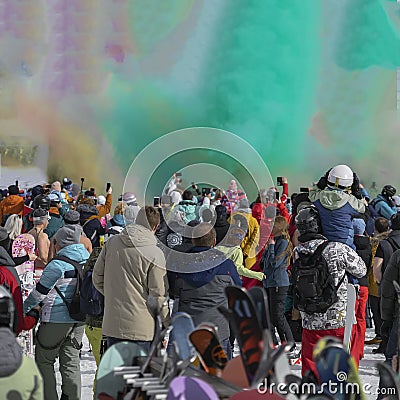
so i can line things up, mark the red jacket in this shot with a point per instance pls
(10, 279)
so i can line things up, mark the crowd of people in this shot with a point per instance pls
(188, 246)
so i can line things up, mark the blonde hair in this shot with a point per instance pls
(281, 228)
(13, 226)
(120, 208)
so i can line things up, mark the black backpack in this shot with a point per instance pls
(74, 306)
(92, 301)
(314, 290)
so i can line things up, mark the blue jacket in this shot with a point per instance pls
(336, 209)
(274, 263)
(63, 275)
(188, 210)
(382, 207)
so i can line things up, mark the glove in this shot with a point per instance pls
(33, 313)
(323, 181)
(355, 187)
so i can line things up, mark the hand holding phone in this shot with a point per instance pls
(156, 201)
(108, 188)
(279, 181)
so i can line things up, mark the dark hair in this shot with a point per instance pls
(207, 215)
(13, 190)
(381, 225)
(148, 217)
(204, 235)
(395, 222)
(187, 195)
(240, 222)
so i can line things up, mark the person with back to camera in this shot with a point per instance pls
(340, 260)
(275, 260)
(384, 203)
(381, 232)
(12, 204)
(337, 197)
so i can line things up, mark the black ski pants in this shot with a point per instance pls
(374, 303)
(276, 300)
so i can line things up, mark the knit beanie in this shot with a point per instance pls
(68, 235)
(72, 217)
(359, 226)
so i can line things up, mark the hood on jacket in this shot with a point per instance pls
(309, 247)
(118, 220)
(13, 200)
(333, 199)
(11, 353)
(187, 206)
(76, 252)
(208, 265)
(5, 259)
(137, 236)
(86, 211)
(378, 237)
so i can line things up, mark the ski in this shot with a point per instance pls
(211, 354)
(248, 329)
(350, 316)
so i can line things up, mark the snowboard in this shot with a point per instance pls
(23, 245)
(260, 299)
(248, 329)
(182, 326)
(211, 354)
(235, 373)
(350, 316)
(271, 358)
(389, 381)
(188, 388)
(335, 366)
(119, 355)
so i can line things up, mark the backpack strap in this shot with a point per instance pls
(95, 231)
(393, 243)
(341, 281)
(318, 251)
(78, 268)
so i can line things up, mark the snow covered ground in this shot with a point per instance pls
(368, 372)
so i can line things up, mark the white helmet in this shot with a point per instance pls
(340, 177)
